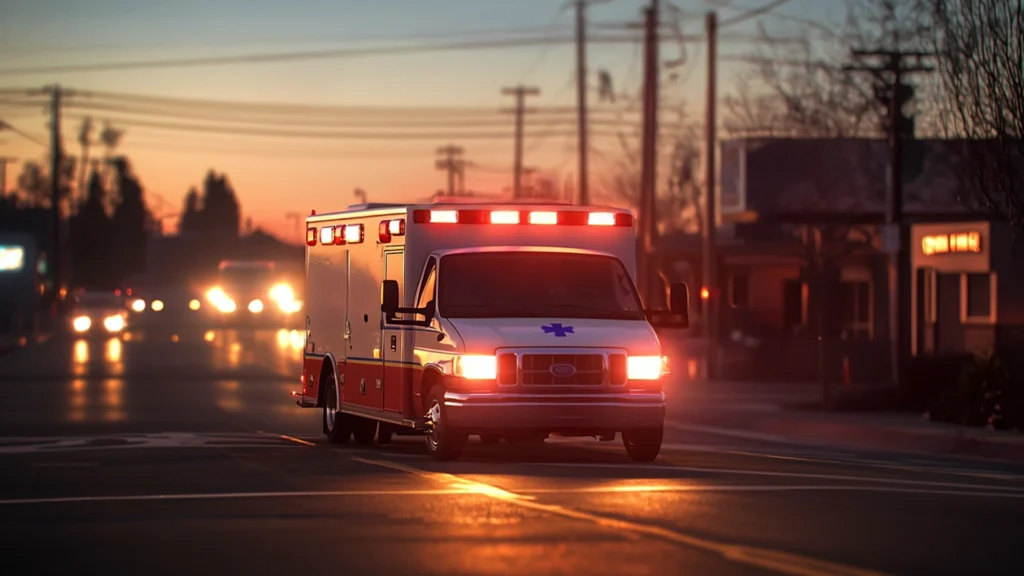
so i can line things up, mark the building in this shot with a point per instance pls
(797, 212)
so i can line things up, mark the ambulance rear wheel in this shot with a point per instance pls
(337, 425)
(443, 442)
(384, 433)
(643, 445)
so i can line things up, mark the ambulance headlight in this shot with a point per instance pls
(138, 305)
(646, 367)
(472, 367)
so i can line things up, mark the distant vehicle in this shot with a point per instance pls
(155, 298)
(500, 321)
(98, 313)
(252, 292)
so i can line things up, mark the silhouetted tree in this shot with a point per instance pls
(221, 212)
(129, 220)
(191, 215)
(91, 237)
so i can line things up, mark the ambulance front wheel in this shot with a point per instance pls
(337, 425)
(443, 442)
(644, 444)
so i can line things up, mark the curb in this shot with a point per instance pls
(943, 440)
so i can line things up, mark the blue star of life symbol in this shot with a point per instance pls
(558, 330)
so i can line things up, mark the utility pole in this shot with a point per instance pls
(648, 175)
(56, 154)
(891, 91)
(4, 160)
(710, 227)
(581, 96)
(520, 92)
(452, 162)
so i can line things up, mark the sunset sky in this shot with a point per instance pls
(276, 175)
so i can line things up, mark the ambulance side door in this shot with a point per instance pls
(392, 344)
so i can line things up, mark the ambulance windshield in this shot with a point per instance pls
(536, 285)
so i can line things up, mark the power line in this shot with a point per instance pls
(336, 53)
(321, 122)
(317, 134)
(753, 13)
(305, 110)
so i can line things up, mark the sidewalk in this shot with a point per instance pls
(781, 413)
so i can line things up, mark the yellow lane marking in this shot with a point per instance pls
(296, 440)
(778, 561)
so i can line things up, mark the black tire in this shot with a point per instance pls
(384, 433)
(443, 442)
(364, 430)
(490, 439)
(643, 445)
(337, 425)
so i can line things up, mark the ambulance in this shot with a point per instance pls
(503, 321)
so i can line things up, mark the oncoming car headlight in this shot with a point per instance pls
(114, 323)
(646, 367)
(138, 305)
(220, 300)
(476, 367)
(81, 323)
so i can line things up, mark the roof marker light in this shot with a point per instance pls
(384, 232)
(543, 217)
(327, 235)
(601, 219)
(396, 227)
(444, 217)
(505, 217)
(310, 236)
(339, 235)
(354, 233)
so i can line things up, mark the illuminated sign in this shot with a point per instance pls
(949, 243)
(12, 258)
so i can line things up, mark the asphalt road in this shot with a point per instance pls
(183, 454)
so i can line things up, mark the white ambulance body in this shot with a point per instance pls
(510, 321)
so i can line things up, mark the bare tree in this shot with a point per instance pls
(801, 90)
(980, 44)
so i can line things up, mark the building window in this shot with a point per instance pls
(855, 307)
(738, 291)
(978, 298)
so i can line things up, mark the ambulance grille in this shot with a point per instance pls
(537, 369)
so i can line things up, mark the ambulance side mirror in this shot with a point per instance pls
(389, 297)
(679, 299)
(678, 313)
(391, 307)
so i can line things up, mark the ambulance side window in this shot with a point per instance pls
(429, 282)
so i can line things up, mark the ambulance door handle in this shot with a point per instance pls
(394, 343)
(348, 330)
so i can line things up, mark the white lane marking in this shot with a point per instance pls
(771, 488)
(768, 473)
(986, 474)
(143, 441)
(778, 561)
(226, 496)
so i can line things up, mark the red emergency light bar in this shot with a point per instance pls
(525, 217)
(390, 228)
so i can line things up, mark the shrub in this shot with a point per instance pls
(987, 392)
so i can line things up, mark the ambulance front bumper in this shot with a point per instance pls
(476, 412)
